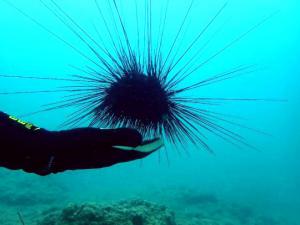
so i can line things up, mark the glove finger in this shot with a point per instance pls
(123, 136)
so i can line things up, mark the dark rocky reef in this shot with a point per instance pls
(131, 212)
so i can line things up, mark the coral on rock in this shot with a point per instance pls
(130, 212)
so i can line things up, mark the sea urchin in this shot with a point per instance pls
(139, 85)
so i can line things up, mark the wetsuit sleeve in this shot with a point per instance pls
(8, 122)
(21, 143)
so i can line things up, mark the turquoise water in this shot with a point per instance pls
(248, 184)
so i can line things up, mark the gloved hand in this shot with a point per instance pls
(36, 150)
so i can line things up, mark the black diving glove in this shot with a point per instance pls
(35, 150)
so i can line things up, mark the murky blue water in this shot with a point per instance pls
(266, 181)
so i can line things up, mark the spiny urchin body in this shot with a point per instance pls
(137, 100)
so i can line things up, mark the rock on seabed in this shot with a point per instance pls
(130, 212)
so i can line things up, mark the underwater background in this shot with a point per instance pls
(232, 186)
